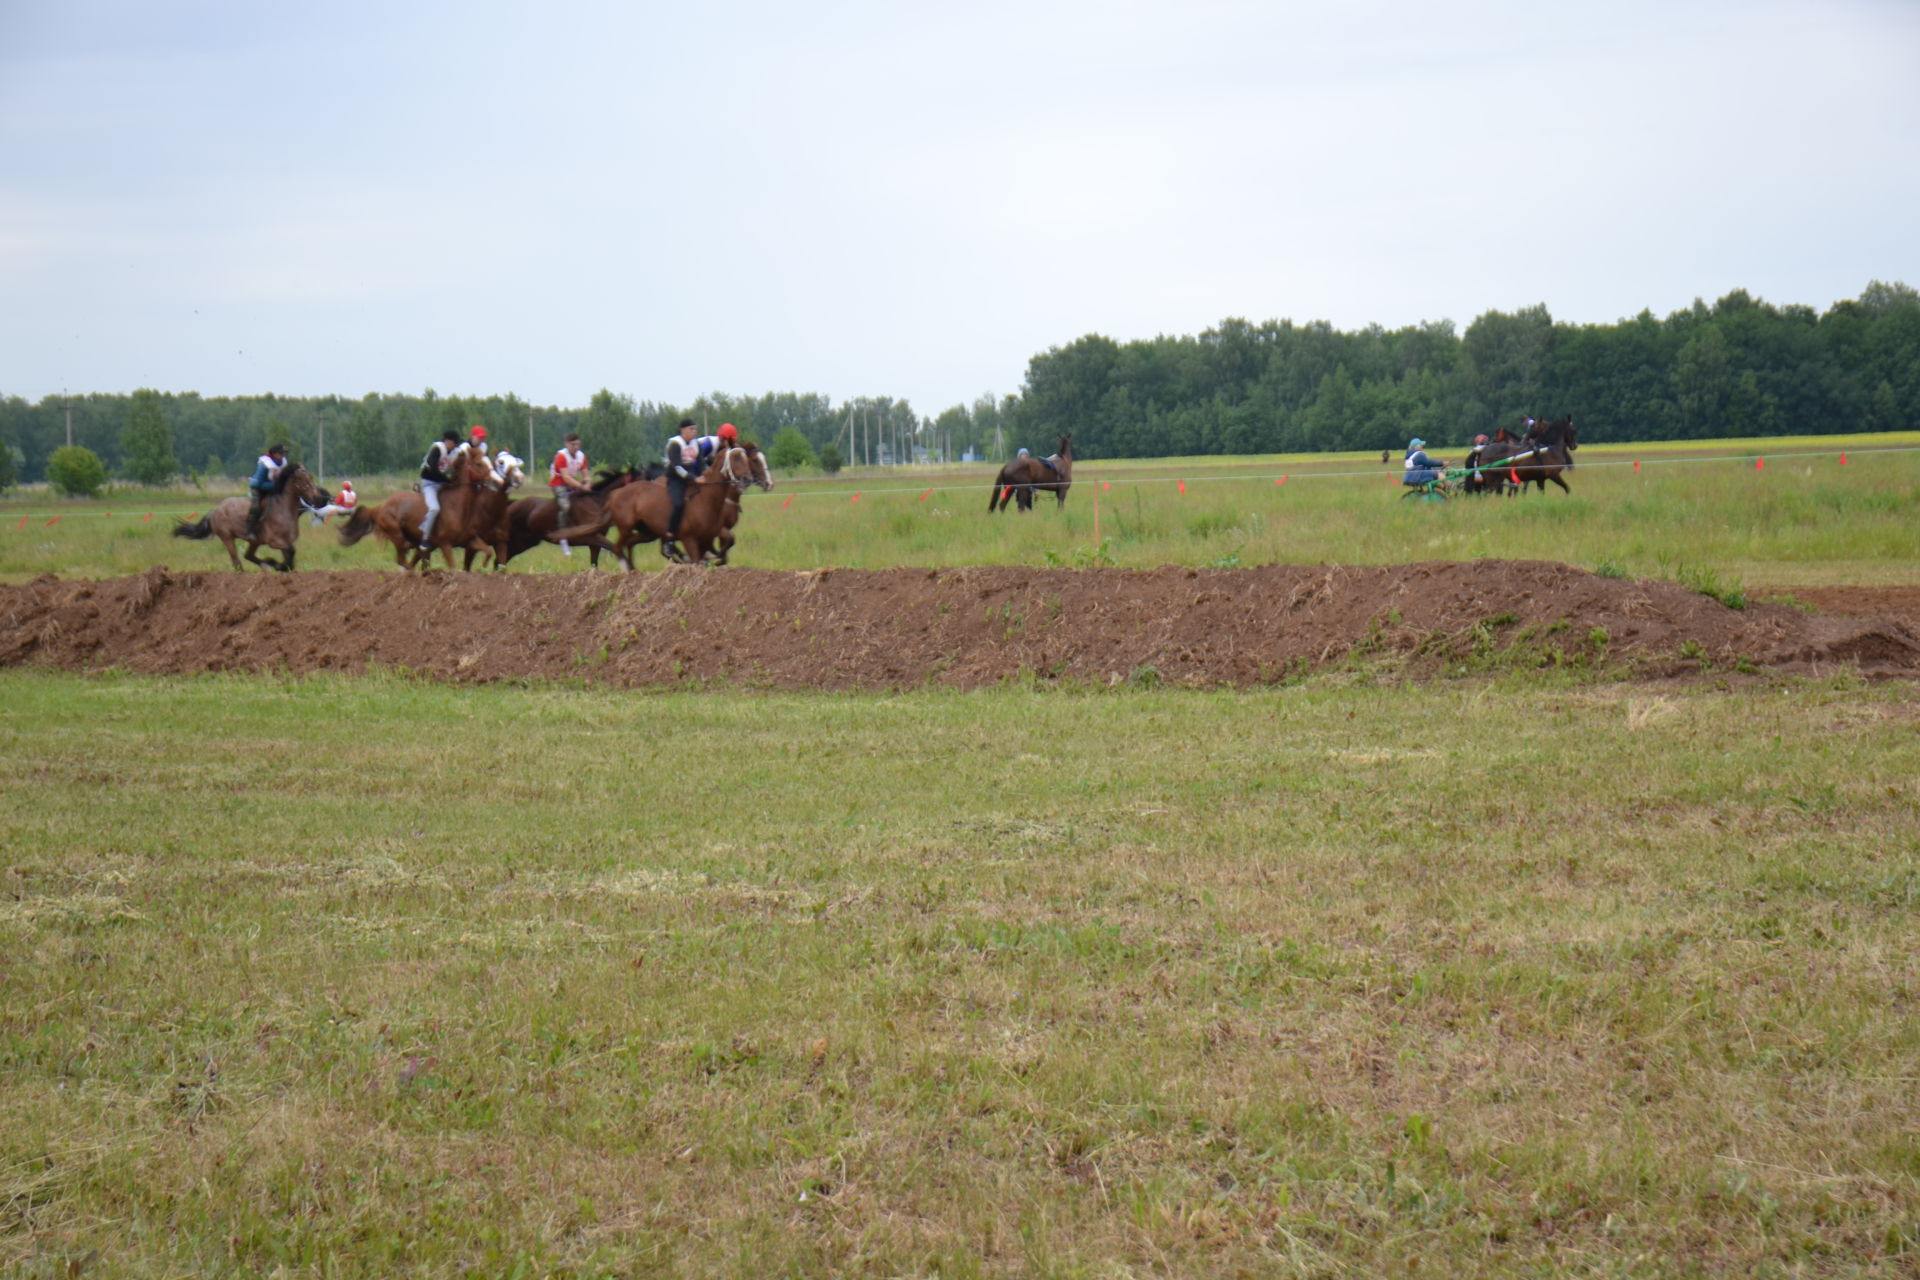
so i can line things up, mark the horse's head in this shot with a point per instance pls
(296, 480)
(757, 465)
(1066, 446)
(1572, 439)
(729, 466)
(511, 476)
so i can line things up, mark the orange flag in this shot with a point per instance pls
(1843, 457)
(787, 503)
(1759, 464)
(1183, 486)
(1281, 480)
(854, 498)
(926, 495)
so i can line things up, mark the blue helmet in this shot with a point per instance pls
(1416, 443)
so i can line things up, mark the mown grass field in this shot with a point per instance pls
(370, 977)
(1803, 519)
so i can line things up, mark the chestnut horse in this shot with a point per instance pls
(279, 520)
(528, 522)
(640, 511)
(1020, 479)
(469, 511)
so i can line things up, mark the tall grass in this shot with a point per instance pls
(1799, 521)
(368, 977)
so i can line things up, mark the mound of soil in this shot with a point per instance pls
(885, 629)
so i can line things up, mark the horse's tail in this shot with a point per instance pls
(358, 526)
(994, 499)
(199, 531)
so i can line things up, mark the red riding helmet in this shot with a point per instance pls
(727, 431)
(1480, 439)
(479, 433)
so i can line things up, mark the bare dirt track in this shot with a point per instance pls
(899, 628)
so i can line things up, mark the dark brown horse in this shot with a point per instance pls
(1511, 461)
(1020, 479)
(528, 522)
(641, 511)
(1548, 450)
(279, 520)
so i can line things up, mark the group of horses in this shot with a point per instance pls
(478, 517)
(1508, 462)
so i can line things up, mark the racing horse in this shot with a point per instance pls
(1021, 478)
(1537, 457)
(528, 522)
(1548, 449)
(641, 511)
(279, 520)
(396, 520)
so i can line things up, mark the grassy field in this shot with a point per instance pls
(372, 977)
(1804, 519)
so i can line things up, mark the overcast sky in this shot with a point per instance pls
(901, 199)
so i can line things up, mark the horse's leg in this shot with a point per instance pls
(253, 554)
(286, 559)
(232, 553)
(1562, 483)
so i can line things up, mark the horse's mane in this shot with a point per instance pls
(1550, 433)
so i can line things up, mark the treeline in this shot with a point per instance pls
(1740, 367)
(221, 436)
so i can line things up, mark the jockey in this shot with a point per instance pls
(1479, 446)
(266, 475)
(342, 505)
(1421, 469)
(436, 470)
(687, 457)
(566, 476)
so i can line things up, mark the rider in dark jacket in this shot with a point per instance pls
(266, 476)
(1421, 469)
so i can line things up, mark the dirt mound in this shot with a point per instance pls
(840, 629)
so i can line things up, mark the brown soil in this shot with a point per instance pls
(882, 629)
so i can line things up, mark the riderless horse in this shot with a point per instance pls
(1019, 479)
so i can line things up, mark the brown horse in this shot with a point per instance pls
(279, 520)
(528, 522)
(467, 512)
(641, 511)
(1020, 479)
(1547, 450)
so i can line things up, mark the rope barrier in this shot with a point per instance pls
(1181, 480)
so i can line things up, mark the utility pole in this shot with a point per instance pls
(69, 407)
(320, 473)
(530, 454)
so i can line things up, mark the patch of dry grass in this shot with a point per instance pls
(1516, 978)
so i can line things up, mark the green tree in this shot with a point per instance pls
(790, 450)
(76, 471)
(9, 474)
(830, 459)
(147, 441)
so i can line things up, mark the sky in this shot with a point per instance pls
(899, 199)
